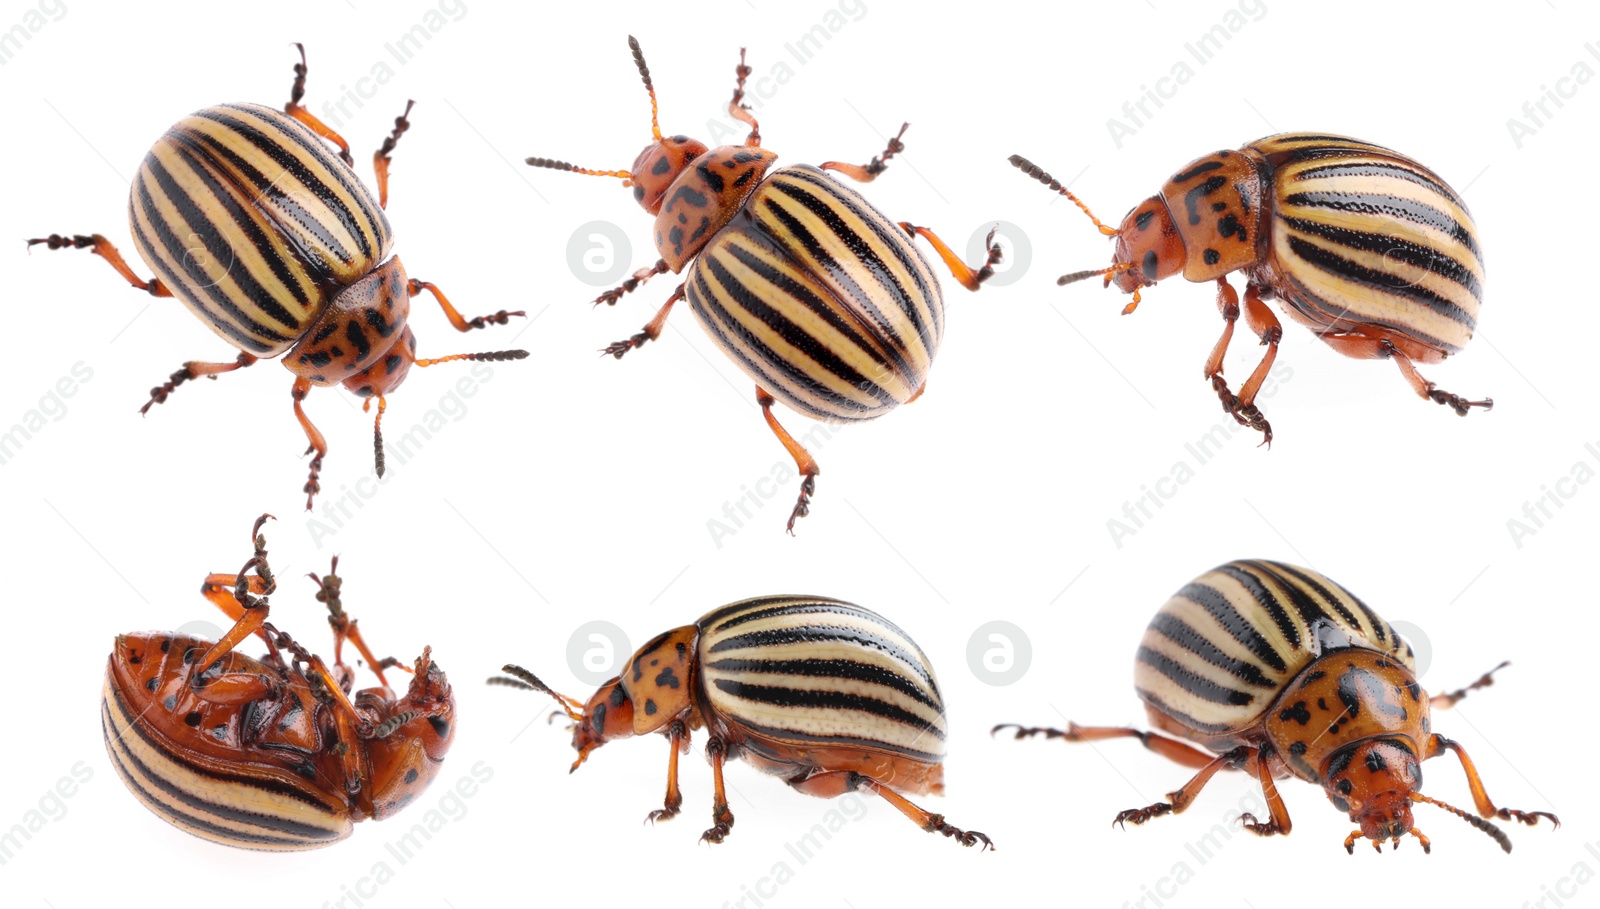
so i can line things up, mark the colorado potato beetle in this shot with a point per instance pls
(1372, 251)
(817, 296)
(271, 754)
(825, 695)
(1279, 671)
(245, 215)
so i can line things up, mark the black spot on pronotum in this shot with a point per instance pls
(669, 679)
(1229, 226)
(1297, 713)
(649, 707)
(411, 775)
(661, 166)
(1143, 220)
(1211, 256)
(712, 178)
(1219, 206)
(192, 719)
(1298, 748)
(441, 728)
(1149, 265)
(391, 363)
(618, 696)
(319, 359)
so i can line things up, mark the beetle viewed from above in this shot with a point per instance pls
(825, 695)
(245, 215)
(821, 300)
(272, 754)
(1369, 249)
(1279, 671)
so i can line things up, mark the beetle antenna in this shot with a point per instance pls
(493, 356)
(553, 164)
(1491, 830)
(377, 432)
(1038, 173)
(1107, 273)
(522, 678)
(387, 727)
(644, 73)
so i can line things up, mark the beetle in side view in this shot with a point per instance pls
(827, 696)
(1279, 671)
(825, 303)
(271, 754)
(245, 215)
(1372, 251)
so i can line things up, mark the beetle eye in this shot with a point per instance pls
(441, 728)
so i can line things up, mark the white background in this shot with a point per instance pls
(574, 488)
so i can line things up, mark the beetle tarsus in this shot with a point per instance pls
(1456, 402)
(802, 505)
(1137, 816)
(1245, 414)
(936, 824)
(1248, 822)
(1531, 818)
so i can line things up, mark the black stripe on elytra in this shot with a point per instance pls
(1266, 599)
(1312, 610)
(1378, 169)
(354, 223)
(763, 733)
(225, 812)
(269, 785)
(1338, 597)
(222, 196)
(1237, 626)
(1192, 198)
(753, 301)
(1381, 281)
(224, 313)
(1388, 246)
(1316, 309)
(1202, 688)
(891, 237)
(735, 340)
(823, 309)
(810, 634)
(1184, 635)
(1180, 716)
(811, 254)
(819, 699)
(752, 610)
(1383, 205)
(1196, 171)
(716, 615)
(853, 670)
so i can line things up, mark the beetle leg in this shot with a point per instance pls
(970, 278)
(721, 815)
(345, 628)
(1362, 347)
(802, 458)
(1269, 788)
(1438, 745)
(868, 172)
(1242, 406)
(194, 369)
(737, 108)
(414, 287)
(1182, 798)
(1448, 700)
(678, 735)
(298, 111)
(651, 331)
(380, 158)
(102, 247)
(1171, 749)
(318, 445)
(634, 281)
(832, 783)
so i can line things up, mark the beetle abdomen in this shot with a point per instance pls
(1217, 654)
(1365, 235)
(820, 299)
(249, 219)
(224, 804)
(815, 672)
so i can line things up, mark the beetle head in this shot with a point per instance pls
(1148, 247)
(1372, 781)
(410, 742)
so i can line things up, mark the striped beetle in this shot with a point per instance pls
(272, 754)
(1361, 244)
(246, 217)
(1278, 670)
(828, 696)
(822, 301)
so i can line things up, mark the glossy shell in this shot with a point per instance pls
(247, 775)
(819, 298)
(251, 221)
(1217, 656)
(788, 676)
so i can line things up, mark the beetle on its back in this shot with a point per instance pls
(1371, 250)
